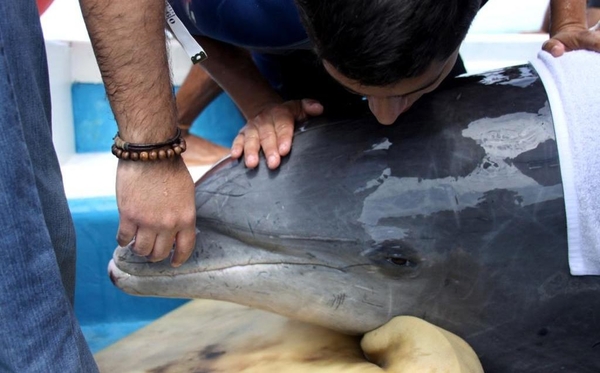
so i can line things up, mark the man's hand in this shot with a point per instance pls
(156, 208)
(272, 129)
(573, 38)
(568, 28)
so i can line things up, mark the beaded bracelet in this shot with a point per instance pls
(148, 152)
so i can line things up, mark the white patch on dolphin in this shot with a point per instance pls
(382, 145)
(510, 135)
(405, 197)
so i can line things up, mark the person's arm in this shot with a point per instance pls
(155, 198)
(270, 119)
(234, 70)
(195, 93)
(568, 28)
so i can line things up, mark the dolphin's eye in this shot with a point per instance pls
(397, 252)
(400, 261)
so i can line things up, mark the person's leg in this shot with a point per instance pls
(38, 328)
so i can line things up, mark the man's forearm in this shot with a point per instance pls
(129, 42)
(196, 92)
(237, 74)
(566, 13)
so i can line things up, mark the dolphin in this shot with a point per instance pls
(455, 214)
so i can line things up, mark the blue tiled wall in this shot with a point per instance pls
(95, 125)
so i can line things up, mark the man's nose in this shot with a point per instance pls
(387, 109)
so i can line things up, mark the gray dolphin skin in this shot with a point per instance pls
(454, 214)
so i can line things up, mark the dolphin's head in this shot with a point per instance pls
(455, 214)
(332, 240)
(288, 254)
(364, 222)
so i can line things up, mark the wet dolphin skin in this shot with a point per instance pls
(455, 214)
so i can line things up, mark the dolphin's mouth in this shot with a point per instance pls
(215, 252)
(126, 264)
(115, 273)
(291, 290)
(288, 281)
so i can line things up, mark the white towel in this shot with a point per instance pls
(572, 83)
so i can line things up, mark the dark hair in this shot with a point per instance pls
(379, 42)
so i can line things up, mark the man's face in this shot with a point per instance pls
(388, 102)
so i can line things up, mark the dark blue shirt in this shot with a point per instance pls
(259, 25)
(253, 24)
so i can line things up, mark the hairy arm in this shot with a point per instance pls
(155, 199)
(130, 46)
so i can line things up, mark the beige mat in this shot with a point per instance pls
(205, 336)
